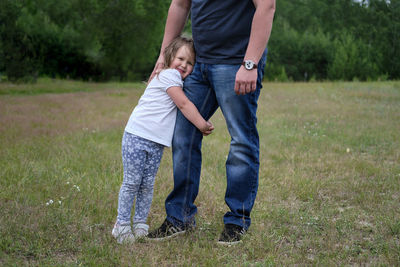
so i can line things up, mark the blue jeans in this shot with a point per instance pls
(210, 87)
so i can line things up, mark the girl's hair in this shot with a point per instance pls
(173, 47)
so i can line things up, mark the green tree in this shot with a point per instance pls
(320, 31)
(120, 39)
(99, 39)
(18, 54)
(130, 34)
(351, 60)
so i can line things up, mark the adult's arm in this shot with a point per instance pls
(177, 15)
(260, 32)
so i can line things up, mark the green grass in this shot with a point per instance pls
(48, 85)
(329, 191)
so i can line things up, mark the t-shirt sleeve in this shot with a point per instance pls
(170, 78)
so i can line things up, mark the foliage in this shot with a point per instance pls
(301, 55)
(17, 51)
(352, 60)
(80, 39)
(119, 40)
(338, 40)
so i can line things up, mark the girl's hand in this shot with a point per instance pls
(208, 129)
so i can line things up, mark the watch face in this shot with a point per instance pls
(248, 64)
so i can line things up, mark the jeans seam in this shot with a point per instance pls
(256, 170)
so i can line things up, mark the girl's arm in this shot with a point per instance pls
(189, 110)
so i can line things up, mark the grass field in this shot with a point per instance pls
(329, 191)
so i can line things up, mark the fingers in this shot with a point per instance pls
(242, 87)
(209, 130)
(210, 125)
(246, 81)
(157, 69)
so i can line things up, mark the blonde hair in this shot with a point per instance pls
(171, 50)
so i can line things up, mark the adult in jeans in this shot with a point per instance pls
(230, 39)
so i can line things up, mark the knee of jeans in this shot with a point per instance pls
(243, 152)
(179, 141)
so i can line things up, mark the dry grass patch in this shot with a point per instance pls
(51, 115)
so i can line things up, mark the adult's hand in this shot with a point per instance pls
(157, 68)
(246, 81)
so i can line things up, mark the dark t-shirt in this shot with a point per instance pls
(221, 30)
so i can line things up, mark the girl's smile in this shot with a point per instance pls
(183, 61)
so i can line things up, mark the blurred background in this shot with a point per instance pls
(119, 40)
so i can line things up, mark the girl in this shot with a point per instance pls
(149, 129)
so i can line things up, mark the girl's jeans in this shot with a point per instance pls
(141, 159)
(210, 87)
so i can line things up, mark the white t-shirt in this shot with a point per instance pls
(154, 116)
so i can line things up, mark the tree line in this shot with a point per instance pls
(91, 39)
(335, 40)
(120, 39)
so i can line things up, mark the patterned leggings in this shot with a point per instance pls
(141, 159)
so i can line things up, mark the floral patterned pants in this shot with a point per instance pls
(141, 159)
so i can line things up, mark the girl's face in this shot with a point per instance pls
(183, 61)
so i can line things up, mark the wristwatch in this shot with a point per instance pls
(249, 64)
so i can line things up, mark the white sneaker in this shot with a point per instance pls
(140, 230)
(123, 233)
